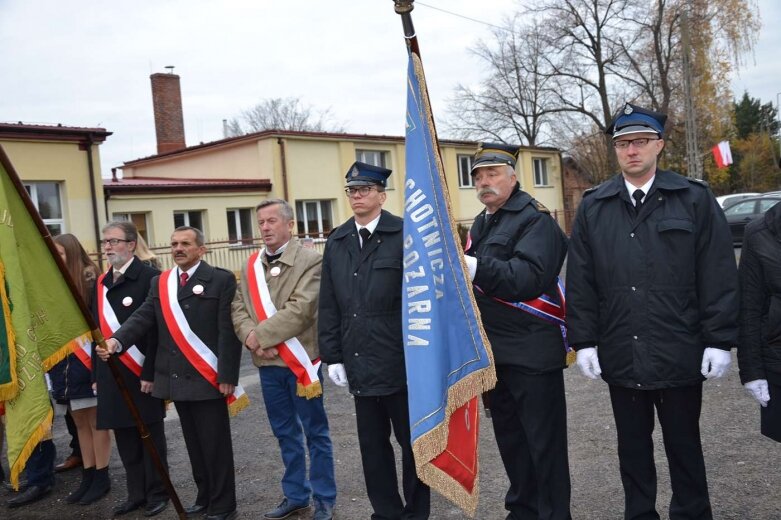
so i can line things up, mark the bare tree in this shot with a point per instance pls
(283, 114)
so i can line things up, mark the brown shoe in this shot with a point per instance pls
(73, 461)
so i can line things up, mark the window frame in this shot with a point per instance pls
(302, 220)
(465, 179)
(240, 241)
(32, 191)
(545, 173)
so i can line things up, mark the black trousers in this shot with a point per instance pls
(143, 481)
(678, 410)
(207, 435)
(375, 417)
(529, 415)
(770, 416)
(74, 433)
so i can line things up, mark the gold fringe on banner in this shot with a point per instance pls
(8, 390)
(41, 433)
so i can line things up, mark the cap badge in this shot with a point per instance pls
(628, 109)
(354, 172)
(198, 289)
(127, 301)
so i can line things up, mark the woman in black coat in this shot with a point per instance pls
(759, 351)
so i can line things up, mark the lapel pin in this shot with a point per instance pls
(275, 271)
(127, 301)
(198, 289)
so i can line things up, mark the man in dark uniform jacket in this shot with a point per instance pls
(359, 330)
(204, 298)
(126, 285)
(515, 252)
(652, 307)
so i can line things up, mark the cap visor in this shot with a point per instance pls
(361, 182)
(634, 129)
(489, 163)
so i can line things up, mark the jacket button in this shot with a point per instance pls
(355, 274)
(355, 315)
(632, 235)
(357, 391)
(634, 288)
(174, 376)
(186, 305)
(356, 354)
(638, 384)
(635, 337)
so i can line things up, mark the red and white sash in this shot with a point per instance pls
(132, 357)
(192, 347)
(291, 351)
(82, 349)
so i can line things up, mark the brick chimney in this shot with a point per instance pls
(169, 121)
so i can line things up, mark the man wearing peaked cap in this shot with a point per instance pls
(360, 337)
(644, 312)
(514, 254)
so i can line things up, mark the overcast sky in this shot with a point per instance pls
(87, 64)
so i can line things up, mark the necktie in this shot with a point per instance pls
(638, 196)
(183, 279)
(365, 234)
(117, 275)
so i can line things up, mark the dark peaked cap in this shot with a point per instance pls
(495, 154)
(633, 119)
(362, 174)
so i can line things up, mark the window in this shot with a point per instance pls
(766, 204)
(240, 226)
(540, 171)
(139, 219)
(46, 199)
(189, 218)
(741, 208)
(373, 157)
(314, 218)
(465, 171)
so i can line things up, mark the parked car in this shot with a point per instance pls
(726, 201)
(744, 211)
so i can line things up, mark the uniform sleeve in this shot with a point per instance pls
(228, 345)
(537, 258)
(298, 313)
(582, 295)
(753, 298)
(717, 275)
(329, 321)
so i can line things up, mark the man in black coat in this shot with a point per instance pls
(119, 292)
(359, 332)
(759, 351)
(652, 306)
(514, 254)
(196, 363)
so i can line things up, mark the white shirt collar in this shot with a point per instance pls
(124, 267)
(279, 251)
(630, 188)
(371, 226)
(190, 271)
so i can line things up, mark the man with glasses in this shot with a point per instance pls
(120, 291)
(652, 307)
(359, 331)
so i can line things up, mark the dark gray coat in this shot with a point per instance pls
(359, 319)
(759, 352)
(133, 289)
(652, 291)
(209, 316)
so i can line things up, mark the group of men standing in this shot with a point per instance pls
(651, 307)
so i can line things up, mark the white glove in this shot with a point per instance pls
(715, 362)
(471, 265)
(588, 361)
(337, 374)
(759, 391)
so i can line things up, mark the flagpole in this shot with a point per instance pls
(95, 329)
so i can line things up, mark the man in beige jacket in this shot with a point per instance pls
(275, 316)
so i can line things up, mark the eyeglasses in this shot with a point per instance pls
(352, 191)
(112, 241)
(639, 143)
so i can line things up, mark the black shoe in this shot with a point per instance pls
(284, 510)
(224, 516)
(101, 485)
(30, 495)
(155, 509)
(195, 509)
(87, 475)
(127, 507)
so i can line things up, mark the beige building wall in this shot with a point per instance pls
(63, 163)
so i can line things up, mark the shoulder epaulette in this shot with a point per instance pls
(698, 182)
(540, 207)
(591, 190)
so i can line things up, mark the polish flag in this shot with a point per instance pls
(722, 154)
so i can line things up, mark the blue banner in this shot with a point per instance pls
(449, 360)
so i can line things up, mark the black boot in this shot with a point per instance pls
(101, 485)
(87, 475)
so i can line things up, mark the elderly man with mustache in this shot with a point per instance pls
(514, 253)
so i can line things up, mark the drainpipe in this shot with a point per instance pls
(281, 143)
(93, 194)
